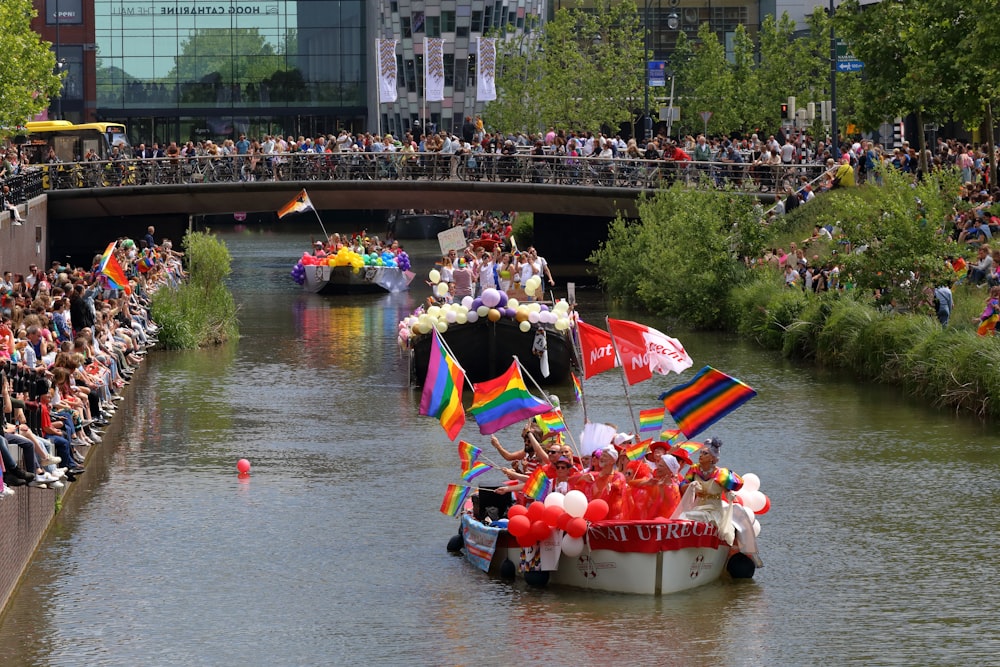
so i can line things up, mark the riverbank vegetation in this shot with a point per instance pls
(696, 255)
(201, 311)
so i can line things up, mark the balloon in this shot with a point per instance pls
(562, 324)
(476, 303)
(434, 311)
(473, 316)
(533, 317)
(467, 302)
(519, 525)
(571, 546)
(435, 276)
(540, 530)
(243, 466)
(508, 312)
(552, 515)
(482, 311)
(462, 318)
(502, 303)
(441, 289)
(451, 316)
(530, 290)
(526, 540)
(491, 298)
(563, 520)
(576, 527)
(536, 511)
(766, 508)
(512, 303)
(751, 482)
(516, 510)
(754, 501)
(441, 327)
(521, 314)
(524, 326)
(493, 314)
(575, 503)
(554, 498)
(756, 527)
(738, 500)
(597, 509)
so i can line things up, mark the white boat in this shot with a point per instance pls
(347, 280)
(639, 557)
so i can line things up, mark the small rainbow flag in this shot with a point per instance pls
(671, 436)
(537, 485)
(474, 470)
(577, 389)
(638, 450)
(651, 420)
(110, 268)
(454, 498)
(503, 401)
(707, 398)
(690, 447)
(468, 453)
(551, 422)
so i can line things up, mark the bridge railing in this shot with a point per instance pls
(486, 167)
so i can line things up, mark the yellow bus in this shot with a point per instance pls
(73, 142)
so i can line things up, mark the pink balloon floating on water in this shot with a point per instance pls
(243, 466)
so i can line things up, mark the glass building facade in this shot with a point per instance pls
(196, 69)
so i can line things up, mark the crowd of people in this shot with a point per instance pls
(70, 340)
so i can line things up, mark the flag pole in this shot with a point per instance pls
(451, 354)
(423, 125)
(326, 237)
(574, 339)
(628, 399)
(543, 393)
(378, 86)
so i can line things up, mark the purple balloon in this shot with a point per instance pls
(476, 303)
(544, 307)
(503, 301)
(509, 312)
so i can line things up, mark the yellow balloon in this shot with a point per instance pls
(524, 326)
(435, 276)
(441, 289)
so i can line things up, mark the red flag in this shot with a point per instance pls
(659, 352)
(598, 352)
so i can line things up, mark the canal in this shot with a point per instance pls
(878, 548)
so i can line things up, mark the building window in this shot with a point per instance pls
(477, 22)
(461, 66)
(410, 71)
(449, 69)
(433, 26)
(405, 23)
(447, 21)
(418, 22)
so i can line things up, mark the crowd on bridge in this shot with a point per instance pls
(71, 338)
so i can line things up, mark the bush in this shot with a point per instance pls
(201, 311)
(524, 230)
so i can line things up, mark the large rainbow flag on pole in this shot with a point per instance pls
(110, 268)
(442, 394)
(707, 398)
(503, 401)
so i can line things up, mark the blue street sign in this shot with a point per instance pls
(850, 65)
(657, 73)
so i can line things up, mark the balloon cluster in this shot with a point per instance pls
(755, 502)
(299, 273)
(403, 261)
(568, 513)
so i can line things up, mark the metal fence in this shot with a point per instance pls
(485, 167)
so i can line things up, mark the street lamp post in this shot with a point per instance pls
(834, 132)
(647, 125)
(59, 63)
(670, 105)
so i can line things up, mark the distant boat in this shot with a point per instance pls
(413, 226)
(348, 280)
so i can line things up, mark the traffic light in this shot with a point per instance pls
(784, 110)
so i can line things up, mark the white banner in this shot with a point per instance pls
(486, 70)
(386, 50)
(433, 69)
(452, 239)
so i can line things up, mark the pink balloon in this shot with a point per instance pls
(243, 466)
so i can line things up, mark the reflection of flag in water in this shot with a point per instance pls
(503, 401)
(474, 470)
(707, 398)
(651, 420)
(442, 393)
(300, 204)
(110, 267)
(454, 498)
(537, 485)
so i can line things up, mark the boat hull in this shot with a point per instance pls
(484, 349)
(344, 280)
(419, 226)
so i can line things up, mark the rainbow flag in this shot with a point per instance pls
(707, 398)
(454, 498)
(474, 470)
(110, 267)
(651, 420)
(442, 394)
(690, 447)
(503, 401)
(638, 450)
(577, 389)
(671, 436)
(537, 485)
(468, 453)
(551, 422)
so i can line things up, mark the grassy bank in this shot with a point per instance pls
(690, 257)
(200, 311)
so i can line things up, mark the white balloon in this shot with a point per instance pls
(554, 498)
(571, 546)
(482, 311)
(451, 317)
(472, 316)
(751, 482)
(467, 302)
(533, 317)
(575, 503)
(435, 276)
(754, 501)
(524, 326)
(756, 527)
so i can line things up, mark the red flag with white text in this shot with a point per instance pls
(598, 352)
(661, 353)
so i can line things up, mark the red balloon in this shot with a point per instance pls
(540, 530)
(518, 526)
(243, 466)
(552, 515)
(536, 511)
(597, 509)
(516, 510)
(738, 499)
(576, 527)
(525, 541)
(564, 519)
(765, 508)
(661, 519)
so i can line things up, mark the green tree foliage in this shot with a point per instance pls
(707, 80)
(201, 311)
(27, 67)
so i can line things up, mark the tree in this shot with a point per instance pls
(228, 55)
(705, 79)
(27, 67)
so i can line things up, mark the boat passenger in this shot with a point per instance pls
(705, 486)
(606, 482)
(461, 279)
(656, 496)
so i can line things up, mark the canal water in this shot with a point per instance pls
(878, 549)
